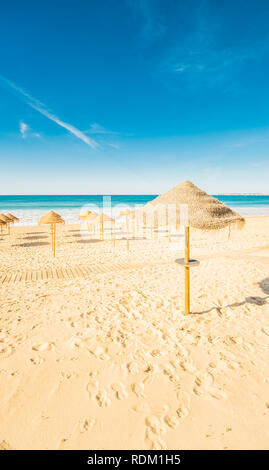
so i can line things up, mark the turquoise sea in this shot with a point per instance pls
(30, 208)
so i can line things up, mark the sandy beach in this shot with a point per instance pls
(95, 352)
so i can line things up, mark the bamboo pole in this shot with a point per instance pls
(51, 232)
(54, 240)
(187, 271)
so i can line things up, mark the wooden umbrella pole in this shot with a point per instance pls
(51, 229)
(187, 271)
(54, 239)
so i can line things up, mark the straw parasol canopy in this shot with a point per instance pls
(125, 212)
(204, 211)
(5, 218)
(2, 223)
(8, 221)
(52, 218)
(88, 217)
(85, 214)
(104, 218)
(12, 217)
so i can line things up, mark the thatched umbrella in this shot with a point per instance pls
(204, 212)
(52, 218)
(13, 219)
(127, 213)
(84, 214)
(87, 216)
(2, 223)
(101, 219)
(8, 221)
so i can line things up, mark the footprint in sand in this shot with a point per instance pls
(37, 360)
(44, 347)
(92, 388)
(68, 375)
(203, 383)
(155, 428)
(133, 367)
(150, 372)
(120, 390)
(265, 330)
(138, 389)
(99, 353)
(6, 350)
(103, 399)
(171, 421)
(5, 445)
(100, 396)
(188, 366)
(86, 424)
(204, 386)
(155, 424)
(184, 404)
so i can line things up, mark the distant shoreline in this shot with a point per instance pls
(119, 195)
(242, 194)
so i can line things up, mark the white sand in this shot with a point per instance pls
(106, 359)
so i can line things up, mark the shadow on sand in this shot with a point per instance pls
(91, 240)
(32, 244)
(36, 237)
(264, 285)
(34, 233)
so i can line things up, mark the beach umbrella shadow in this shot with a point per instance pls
(32, 244)
(91, 240)
(264, 285)
(35, 237)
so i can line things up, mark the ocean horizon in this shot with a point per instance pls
(29, 208)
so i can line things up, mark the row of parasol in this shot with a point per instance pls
(91, 218)
(6, 220)
(204, 212)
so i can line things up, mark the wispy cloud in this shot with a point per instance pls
(97, 129)
(23, 129)
(114, 146)
(40, 108)
(26, 131)
(151, 21)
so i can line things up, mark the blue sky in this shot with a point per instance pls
(134, 96)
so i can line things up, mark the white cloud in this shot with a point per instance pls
(26, 131)
(40, 108)
(114, 146)
(97, 129)
(23, 129)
